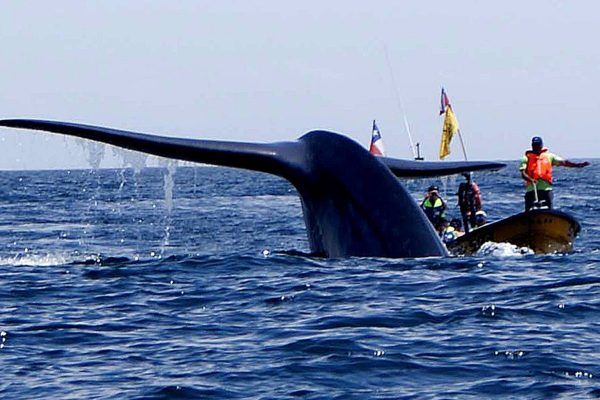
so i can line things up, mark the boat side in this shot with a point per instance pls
(542, 230)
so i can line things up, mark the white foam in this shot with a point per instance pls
(503, 250)
(44, 260)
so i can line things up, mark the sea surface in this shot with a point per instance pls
(177, 284)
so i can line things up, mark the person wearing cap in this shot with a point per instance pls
(536, 170)
(480, 219)
(434, 207)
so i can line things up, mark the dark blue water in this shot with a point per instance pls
(105, 293)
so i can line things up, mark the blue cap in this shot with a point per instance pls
(536, 140)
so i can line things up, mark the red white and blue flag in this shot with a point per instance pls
(376, 147)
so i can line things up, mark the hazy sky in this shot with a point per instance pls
(273, 70)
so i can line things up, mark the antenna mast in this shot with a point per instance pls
(396, 92)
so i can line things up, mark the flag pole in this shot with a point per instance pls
(462, 145)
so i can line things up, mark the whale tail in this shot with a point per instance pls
(353, 204)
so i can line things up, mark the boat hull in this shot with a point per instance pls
(542, 230)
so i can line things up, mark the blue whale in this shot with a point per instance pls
(353, 203)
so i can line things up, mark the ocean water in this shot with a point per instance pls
(117, 284)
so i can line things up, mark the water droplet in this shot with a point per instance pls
(489, 310)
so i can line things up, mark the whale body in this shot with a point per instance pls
(353, 203)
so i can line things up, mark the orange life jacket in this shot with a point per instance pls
(539, 166)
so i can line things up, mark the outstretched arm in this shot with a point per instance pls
(570, 164)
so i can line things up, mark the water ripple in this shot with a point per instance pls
(97, 302)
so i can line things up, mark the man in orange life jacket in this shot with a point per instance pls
(536, 169)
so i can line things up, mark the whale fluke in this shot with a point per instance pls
(352, 201)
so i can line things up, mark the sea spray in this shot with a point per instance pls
(94, 152)
(502, 250)
(133, 159)
(170, 167)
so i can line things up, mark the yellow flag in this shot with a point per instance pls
(450, 128)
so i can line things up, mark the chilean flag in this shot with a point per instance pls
(444, 102)
(376, 147)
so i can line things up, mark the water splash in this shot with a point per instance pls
(170, 169)
(511, 354)
(449, 187)
(168, 185)
(503, 250)
(129, 158)
(30, 259)
(94, 151)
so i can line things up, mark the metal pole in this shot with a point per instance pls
(396, 92)
(462, 145)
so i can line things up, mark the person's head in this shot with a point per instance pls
(433, 191)
(467, 176)
(537, 143)
(456, 224)
(441, 224)
(448, 236)
(480, 218)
